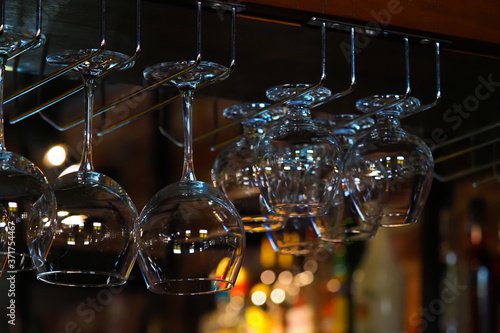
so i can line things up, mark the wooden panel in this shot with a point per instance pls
(317, 6)
(475, 20)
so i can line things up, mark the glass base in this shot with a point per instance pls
(82, 278)
(409, 106)
(18, 262)
(237, 112)
(12, 40)
(95, 66)
(190, 286)
(204, 72)
(281, 92)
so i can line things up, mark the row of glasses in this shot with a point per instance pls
(389, 170)
(84, 229)
(298, 165)
(350, 213)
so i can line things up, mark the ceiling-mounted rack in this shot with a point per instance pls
(354, 30)
(95, 51)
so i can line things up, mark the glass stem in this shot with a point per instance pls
(187, 105)
(86, 162)
(299, 111)
(388, 118)
(3, 61)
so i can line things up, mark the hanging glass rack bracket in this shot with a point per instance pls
(292, 96)
(372, 32)
(353, 29)
(221, 7)
(68, 68)
(375, 31)
(217, 5)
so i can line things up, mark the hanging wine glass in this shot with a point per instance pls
(233, 170)
(93, 242)
(191, 238)
(342, 222)
(298, 163)
(21, 182)
(389, 170)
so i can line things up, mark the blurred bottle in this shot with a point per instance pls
(482, 297)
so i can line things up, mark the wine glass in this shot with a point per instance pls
(21, 182)
(342, 222)
(191, 238)
(233, 170)
(93, 242)
(389, 170)
(298, 163)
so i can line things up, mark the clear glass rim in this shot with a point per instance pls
(154, 287)
(51, 278)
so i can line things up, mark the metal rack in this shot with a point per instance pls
(352, 30)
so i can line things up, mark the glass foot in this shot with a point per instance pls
(12, 39)
(94, 66)
(204, 72)
(409, 106)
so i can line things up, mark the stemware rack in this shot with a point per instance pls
(350, 30)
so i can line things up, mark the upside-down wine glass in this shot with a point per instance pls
(389, 170)
(93, 242)
(21, 182)
(342, 222)
(191, 238)
(298, 163)
(234, 172)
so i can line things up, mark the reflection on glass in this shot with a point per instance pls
(191, 238)
(234, 172)
(342, 222)
(389, 170)
(93, 234)
(298, 163)
(21, 182)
